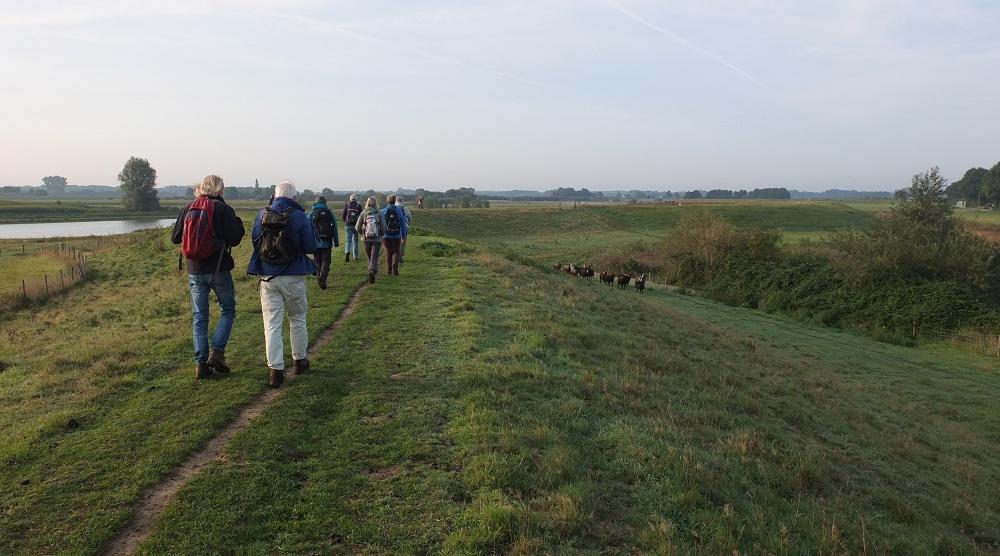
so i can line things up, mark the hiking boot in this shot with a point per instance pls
(202, 371)
(217, 362)
(322, 284)
(275, 378)
(395, 269)
(301, 365)
(347, 258)
(371, 276)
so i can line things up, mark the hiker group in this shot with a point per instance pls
(284, 237)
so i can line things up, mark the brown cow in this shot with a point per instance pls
(623, 280)
(607, 277)
(640, 283)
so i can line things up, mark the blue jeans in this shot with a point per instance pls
(225, 292)
(352, 239)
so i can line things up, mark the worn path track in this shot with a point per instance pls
(155, 500)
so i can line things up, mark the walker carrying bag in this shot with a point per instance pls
(199, 241)
(392, 220)
(277, 244)
(372, 226)
(323, 222)
(352, 215)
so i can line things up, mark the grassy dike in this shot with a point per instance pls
(98, 401)
(477, 405)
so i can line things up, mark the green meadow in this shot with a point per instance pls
(481, 402)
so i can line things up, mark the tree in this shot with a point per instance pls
(693, 194)
(991, 185)
(970, 187)
(926, 202)
(54, 185)
(138, 182)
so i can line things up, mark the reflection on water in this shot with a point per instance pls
(79, 229)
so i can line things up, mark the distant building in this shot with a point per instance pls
(960, 204)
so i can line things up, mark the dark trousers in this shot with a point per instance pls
(392, 254)
(322, 257)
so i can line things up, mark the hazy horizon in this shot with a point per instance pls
(603, 94)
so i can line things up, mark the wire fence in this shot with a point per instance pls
(75, 269)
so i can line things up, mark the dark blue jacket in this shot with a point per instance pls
(303, 234)
(403, 227)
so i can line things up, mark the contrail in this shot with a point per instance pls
(400, 46)
(682, 40)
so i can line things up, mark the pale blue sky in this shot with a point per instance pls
(538, 94)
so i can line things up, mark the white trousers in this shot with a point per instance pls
(280, 294)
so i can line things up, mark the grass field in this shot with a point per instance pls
(481, 403)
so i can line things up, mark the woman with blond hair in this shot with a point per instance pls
(207, 229)
(371, 227)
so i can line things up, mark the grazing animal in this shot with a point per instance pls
(586, 272)
(607, 277)
(623, 280)
(640, 283)
(557, 266)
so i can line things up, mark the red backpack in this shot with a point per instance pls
(199, 240)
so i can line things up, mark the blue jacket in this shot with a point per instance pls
(302, 232)
(335, 240)
(404, 228)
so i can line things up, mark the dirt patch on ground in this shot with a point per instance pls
(154, 501)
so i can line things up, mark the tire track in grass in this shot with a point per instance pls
(155, 500)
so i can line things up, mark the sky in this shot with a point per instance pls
(506, 94)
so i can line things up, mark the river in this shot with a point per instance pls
(79, 229)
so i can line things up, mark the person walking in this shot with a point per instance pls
(282, 239)
(395, 233)
(325, 225)
(207, 229)
(352, 210)
(371, 226)
(409, 222)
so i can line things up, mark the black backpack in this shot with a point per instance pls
(352, 215)
(323, 222)
(277, 245)
(392, 224)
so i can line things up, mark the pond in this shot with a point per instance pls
(79, 229)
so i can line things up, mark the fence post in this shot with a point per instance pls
(46, 285)
(998, 345)
(62, 284)
(24, 290)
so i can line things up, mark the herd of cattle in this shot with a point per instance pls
(609, 278)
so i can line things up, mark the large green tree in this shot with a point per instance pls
(54, 185)
(138, 182)
(970, 187)
(991, 185)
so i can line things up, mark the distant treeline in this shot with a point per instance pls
(968, 188)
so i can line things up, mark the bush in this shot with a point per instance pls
(915, 272)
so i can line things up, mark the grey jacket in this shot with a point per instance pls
(363, 218)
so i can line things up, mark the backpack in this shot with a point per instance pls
(392, 223)
(277, 244)
(352, 215)
(323, 222)
(372, 226)
(199, 240)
